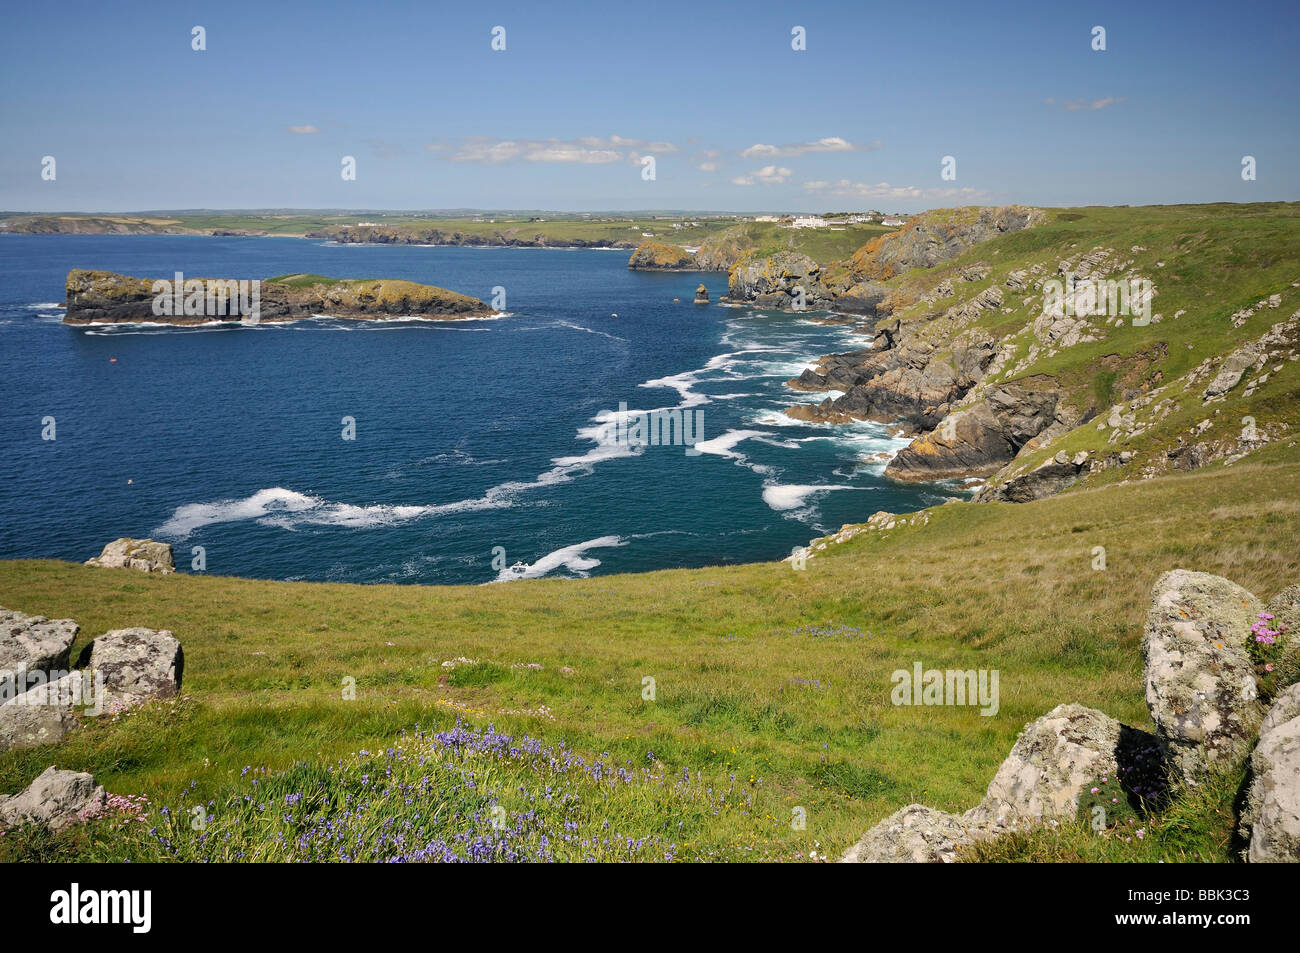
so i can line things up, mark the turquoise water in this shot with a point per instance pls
(475, 439)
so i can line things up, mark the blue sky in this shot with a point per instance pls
(735, 118)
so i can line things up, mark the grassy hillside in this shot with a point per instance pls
(772, 685)
(1222, 275)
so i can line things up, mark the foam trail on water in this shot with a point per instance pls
(568, 557)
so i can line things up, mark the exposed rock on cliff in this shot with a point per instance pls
(980, 439)
(787, 280)
(95, 297)
(656, 256)
(145, 555)
(936, 237)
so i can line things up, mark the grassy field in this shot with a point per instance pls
(771, 690)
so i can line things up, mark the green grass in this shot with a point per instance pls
(779, 677)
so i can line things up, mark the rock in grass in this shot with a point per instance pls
(1200, 684)
(136, 665)
(30, 726)
(1054, 761)
(32, 643)
(55, 800)
(1272, 815)
(146, 555)
(915, 834)
(43, 715)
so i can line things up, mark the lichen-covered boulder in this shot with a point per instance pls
(1200, 684)
(55, 800)
(136, 665)
(1054, 761)
(146, 555)
(31, 643)
(915, 834)
(1271, 819)
(32, 725)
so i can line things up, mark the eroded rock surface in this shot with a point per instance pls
(56, 799)
(145, 555)
(1200, 684)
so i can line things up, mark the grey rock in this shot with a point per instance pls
(43, 715)
(1200, 684)
(55, 800)
(1054, 761)
(1235, 365)
(146, 555)
(136, 664)
(1271, 818)
(915, 834)
(31, 643)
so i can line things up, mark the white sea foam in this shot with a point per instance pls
(791, 496)
(569, 557)
(46, 305)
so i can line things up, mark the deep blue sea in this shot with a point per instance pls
(469, 435)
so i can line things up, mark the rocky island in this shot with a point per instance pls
(104, 297)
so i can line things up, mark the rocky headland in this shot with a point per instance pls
(104, 297)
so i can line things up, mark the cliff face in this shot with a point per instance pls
(656, 256)
(719, 252)
(99, 297)
(937, 237)
(998, 379)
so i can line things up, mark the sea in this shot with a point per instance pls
(413, 451)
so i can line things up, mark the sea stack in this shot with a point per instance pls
(701, 295)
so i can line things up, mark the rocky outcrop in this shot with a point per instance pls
(104, 297)
(1234, 366)
(980, 439)
(915, 834)
(701, 295)
(787, 280)
(937, 237)
(1200, 684)
(1053, 763)
(31, 644)
(656, 256)
(144, 555)
(722, 251)
(1271, 819)
(42, 715)
(1048, 478)
(56, 799)
(1056, 760)
(136, 665)
(34, 654)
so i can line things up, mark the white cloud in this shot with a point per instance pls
(1076, 104)
(883, 190)
(707, 160)
(304, 130)
(768, 175)
(829, 144)
(588, 150)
